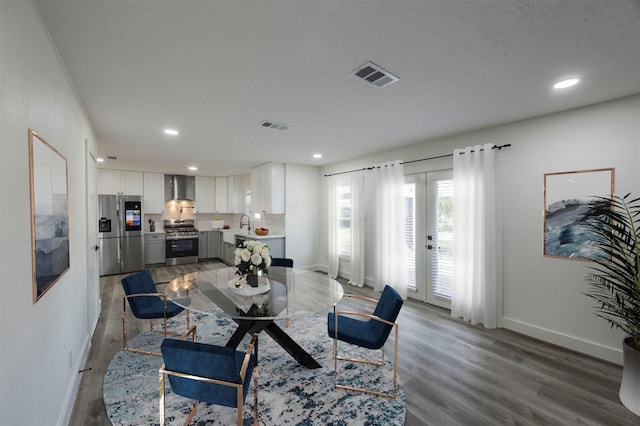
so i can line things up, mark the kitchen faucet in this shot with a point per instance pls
(248, 223)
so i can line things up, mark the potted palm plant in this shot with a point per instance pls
(615, 280)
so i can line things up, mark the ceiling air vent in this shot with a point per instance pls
(274, 125)
(375, 75)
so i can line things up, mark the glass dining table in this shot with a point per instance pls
(281, 295)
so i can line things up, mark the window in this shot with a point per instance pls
(344, 219)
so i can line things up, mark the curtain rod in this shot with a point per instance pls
(498, 147)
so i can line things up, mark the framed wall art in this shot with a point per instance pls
(49, 215)
(566, 197)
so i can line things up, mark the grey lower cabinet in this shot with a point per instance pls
(214, 244)
(154, 249)
(209, 245)
(202, 246)
(228, 253)
(276, 246)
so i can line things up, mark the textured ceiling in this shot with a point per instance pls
(216, 69)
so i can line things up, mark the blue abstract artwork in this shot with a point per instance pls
(567, 196)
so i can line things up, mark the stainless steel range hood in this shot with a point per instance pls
(179, 187)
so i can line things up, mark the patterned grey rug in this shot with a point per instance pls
(288, 394)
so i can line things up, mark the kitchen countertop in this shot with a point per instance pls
(260, 237)
(229, 235)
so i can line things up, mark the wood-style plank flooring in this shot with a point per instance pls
(453, 373)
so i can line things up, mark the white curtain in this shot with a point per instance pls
(357, 229)
(477, 279)
(391, 262)
(332, 224)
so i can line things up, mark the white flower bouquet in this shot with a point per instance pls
(252, 256)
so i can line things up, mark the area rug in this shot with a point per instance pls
(288, 393)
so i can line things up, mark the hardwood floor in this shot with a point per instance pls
(453, 373)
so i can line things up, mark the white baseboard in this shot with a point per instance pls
(596, 350)
(313, 268)
(72, 390)
(81, 361)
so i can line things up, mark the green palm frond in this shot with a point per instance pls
(615, 280)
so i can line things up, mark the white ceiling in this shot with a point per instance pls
(215, 70)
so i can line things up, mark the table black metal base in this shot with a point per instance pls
(250, 326)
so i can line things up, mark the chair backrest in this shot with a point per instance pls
(210, 361)
(388, 308)
(139, 283)
(282, 261)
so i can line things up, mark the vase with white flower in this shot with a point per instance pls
(252, 257)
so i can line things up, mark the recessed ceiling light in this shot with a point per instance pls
(193, 168)
(171, 132)
(317, 155)
(566, 83)
(100, 160)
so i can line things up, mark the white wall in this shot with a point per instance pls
(543, 297)
(37, 384)
(302, 205)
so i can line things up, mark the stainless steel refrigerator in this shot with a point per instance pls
(120, 233)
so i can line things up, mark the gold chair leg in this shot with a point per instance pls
(192, 413)
(392, 394)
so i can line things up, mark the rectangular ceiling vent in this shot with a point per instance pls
(274, 125)
(375, 75)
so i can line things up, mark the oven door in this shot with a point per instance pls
(182, 248)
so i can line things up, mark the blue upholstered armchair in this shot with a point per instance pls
(370, 332)
(209, 373)
(147, 303)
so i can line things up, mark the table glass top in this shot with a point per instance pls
(282, 293)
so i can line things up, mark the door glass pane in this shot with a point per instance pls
(344, 219)
(442, 250)
(410, 232)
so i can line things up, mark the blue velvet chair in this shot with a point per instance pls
(370, 332)
(209, 373)
(146, 303)
(282, 261)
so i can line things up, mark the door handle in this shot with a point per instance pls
(96, 248)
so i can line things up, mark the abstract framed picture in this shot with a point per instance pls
(566, 197)
(49, 215)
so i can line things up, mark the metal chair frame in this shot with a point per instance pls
(380, 363)
(191, 329)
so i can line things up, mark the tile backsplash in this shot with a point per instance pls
(186, 210)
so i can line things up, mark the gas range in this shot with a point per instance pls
(180, 229)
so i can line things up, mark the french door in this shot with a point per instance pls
(429, 236)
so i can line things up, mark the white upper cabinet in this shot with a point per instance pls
(236, 194)
(153, 193)
(221, 195)
(267, 188)
(120, 182)
(205, 194)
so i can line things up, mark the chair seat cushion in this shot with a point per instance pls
(211, 361)
(153, 308)
(354, 331)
